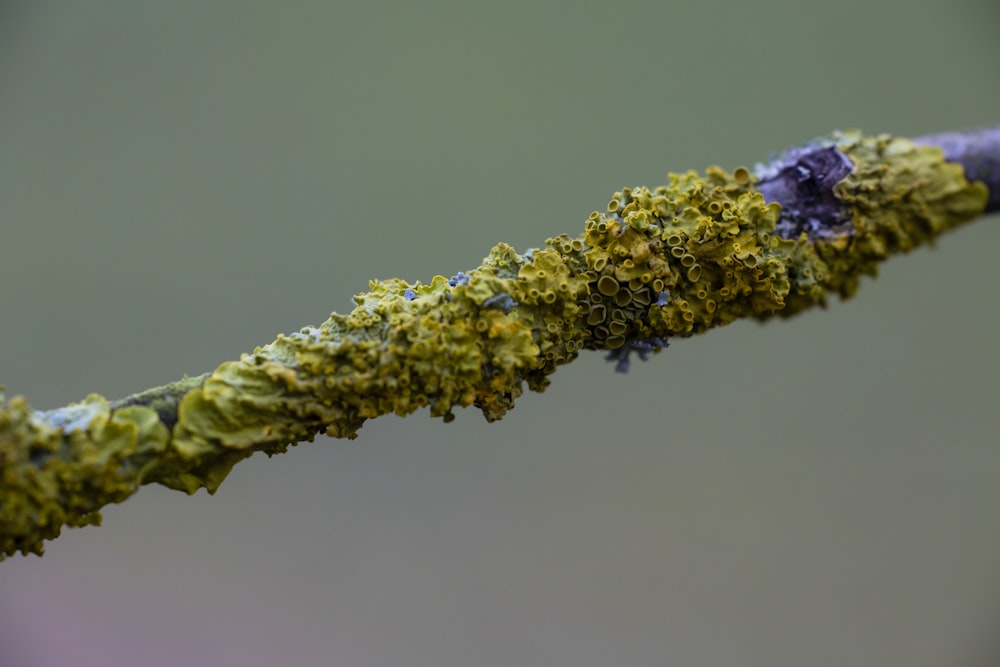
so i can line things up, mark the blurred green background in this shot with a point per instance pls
(181, 181)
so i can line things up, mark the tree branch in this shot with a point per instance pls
(699, 252)
(978, 151)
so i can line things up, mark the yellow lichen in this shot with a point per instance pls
(60, 469)
(698, 252)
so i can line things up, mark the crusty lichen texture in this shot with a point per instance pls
(61, 472)
(696, 253)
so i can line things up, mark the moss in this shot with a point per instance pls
(698, 252)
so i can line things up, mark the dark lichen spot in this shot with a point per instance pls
(623, 298)
(459, 278)
(607, 286)
(641, 348)
(502, 302)
(614, 342)
(596, 316)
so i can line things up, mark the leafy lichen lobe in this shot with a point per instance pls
(60, 468)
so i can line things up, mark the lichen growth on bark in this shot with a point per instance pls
(63, 471)
(699, 252)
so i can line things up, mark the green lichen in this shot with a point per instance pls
(696, 253)
(704, 240)
(901, 196)
(709, 241)
(62, 471)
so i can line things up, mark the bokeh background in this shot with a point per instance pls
(181, 181)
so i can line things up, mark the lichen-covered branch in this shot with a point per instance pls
(978, 151)
(701, 251)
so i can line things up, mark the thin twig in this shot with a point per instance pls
(699, 252)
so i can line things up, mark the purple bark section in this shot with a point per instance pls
(976, 150)
(802, 181)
